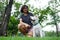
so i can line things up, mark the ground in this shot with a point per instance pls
(29, 38)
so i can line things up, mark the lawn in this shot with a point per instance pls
(29, 38)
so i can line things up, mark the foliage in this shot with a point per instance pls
(3, 4)
(13, 22)
(54, 11)
(51, 34)
(12, 26)
(41, 13)
(56, 18)
(1, 10)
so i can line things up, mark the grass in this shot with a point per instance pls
(29, 38)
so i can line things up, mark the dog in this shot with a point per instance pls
(37, 29)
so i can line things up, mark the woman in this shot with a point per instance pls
(25, 20)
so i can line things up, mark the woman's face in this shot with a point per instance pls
(25, 10)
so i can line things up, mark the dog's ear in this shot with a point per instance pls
(32, 17)
(36, 16)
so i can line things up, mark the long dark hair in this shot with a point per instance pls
(23, 8)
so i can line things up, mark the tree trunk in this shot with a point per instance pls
(6, 18)
(56, 26)
(57, 29)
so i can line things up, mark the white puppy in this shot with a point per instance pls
(37, 30)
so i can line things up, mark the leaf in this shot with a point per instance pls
(26, 1)
(17, 5)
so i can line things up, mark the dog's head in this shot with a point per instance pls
(34, 19)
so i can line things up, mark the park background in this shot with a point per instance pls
(47, 10)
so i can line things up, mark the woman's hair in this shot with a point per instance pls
(23, 8)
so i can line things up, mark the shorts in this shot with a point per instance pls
(30, 30)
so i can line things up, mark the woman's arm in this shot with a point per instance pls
(21, 22)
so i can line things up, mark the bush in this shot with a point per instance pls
(12, 26)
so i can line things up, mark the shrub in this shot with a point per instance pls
(12, 26)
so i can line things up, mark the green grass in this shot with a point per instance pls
(29, 38)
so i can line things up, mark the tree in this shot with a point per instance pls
(6, 18)
(2, 7)
(53, 6)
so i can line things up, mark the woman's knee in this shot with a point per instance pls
(19, 25)
(30, 34)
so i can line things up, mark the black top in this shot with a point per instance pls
(27, 19)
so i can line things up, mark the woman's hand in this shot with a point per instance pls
(27, 25)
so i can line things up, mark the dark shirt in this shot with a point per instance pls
(27, 19)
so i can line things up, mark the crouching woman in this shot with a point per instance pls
(25, 25)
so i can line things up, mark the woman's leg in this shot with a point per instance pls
(19, 26)
(22, 28)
